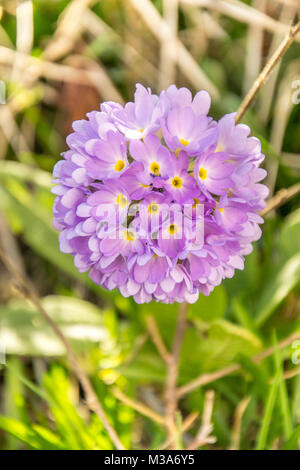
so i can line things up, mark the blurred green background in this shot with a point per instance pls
(60, 59)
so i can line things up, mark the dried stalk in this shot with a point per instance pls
(157, 339)
(37, 67)
(237, 423)
(92, 400)
(138, 406)
(168, 48)
(204, 436)
(186, 425)
(280, 198)
(69, 29)
(254, 48)
(242, 13)
(262, 78)
(287, 16)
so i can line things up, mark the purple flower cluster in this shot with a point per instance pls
(150, 154)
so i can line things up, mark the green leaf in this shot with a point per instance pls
(218, 347)
(225, 341)
(22, 432)
(147, 368)
(284, 281)
(23, 173)
(54, 441)
(289, 237)
(258, 374)
(209, 308)
(242, 314)
(24, 330)
(165, 317)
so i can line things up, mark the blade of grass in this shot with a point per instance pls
(267, 418)
(293, 441)
(283, 395)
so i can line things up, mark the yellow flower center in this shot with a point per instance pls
(130, 236)
(219, 148)
(153, 208)
(172, 229)
(176, 182)
(155, 168)
(203, 173)
(184, 142)
(119, 165)
(196, 202)
(142, 130)
(221, 209)
(121, 200)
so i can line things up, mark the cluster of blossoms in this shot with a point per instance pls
(153, 153)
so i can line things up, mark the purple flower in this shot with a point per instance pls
(152, 211)
(180, 185)
(235, 141)
(140, 118)
(175, 97)
(212, 172)
(123, 241)
(109, 156)
(107, 204)
(156, 159)
(231, 214)
(158, 200)
(150, 269)
(130, 180)
(171, 239)
(184, 130)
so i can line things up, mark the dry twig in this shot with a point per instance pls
(168, 48)
(138, 406)
(157, 339)
(261, 79)
(280, 198)
(237, 423)
(204, 436)
(242, 13)
(186, 425)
